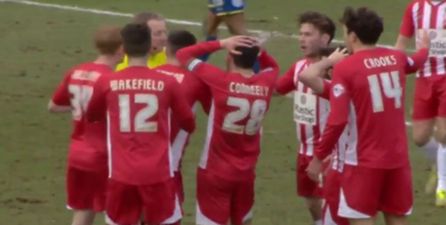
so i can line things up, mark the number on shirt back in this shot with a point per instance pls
(244, 109)
(80, 97)
(140, 122)
(391, 88)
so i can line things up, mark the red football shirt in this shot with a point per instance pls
(374, 90)
(431, 16)
(239, 105)
(195, 92)
(139, 103)
(87, 145)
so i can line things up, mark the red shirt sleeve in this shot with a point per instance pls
(326, 92)
(180, 109)
(267, 62)
(339, 111)
(417, 60)
(286, 83)
(97, 108)
(188, 55)
(407, 27)
(62, 96)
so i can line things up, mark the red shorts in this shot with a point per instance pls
(332, 186)
(430, 98)
(156, 203)
(86, 189)
(306, 187)
(365, 191)
(220, 200)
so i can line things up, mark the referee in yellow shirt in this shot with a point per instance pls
(157, 53)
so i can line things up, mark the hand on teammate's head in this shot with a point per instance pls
(240, 40)
(338, 55)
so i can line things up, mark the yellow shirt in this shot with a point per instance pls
(153, 61)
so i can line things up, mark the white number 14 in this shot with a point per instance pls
(391, 88)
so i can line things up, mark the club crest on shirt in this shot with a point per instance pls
(338, 90)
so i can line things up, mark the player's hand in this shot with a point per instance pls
(241, 40)
(338, 55)
(314, 170)
(424, 41)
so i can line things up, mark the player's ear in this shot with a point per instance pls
(325, 38)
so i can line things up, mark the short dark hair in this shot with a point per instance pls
(144, 17)
(323, 23)
(247, 58)
(136, 39)
(327, 51)
(179, 39)
(364, 22)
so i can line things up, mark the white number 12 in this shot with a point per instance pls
(391, 87)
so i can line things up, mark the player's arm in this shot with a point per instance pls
(407, 30)
(188, 57)
(285, 83)
(267, 62)
(97, 107)
(180, 109)
(313, 75)
(417, 60)
(339, 111)
(60, 102)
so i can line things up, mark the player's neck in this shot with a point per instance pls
(172, 61)
(362, 47)
(244, 72)
(106, 60)
(137, 61)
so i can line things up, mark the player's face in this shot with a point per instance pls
(159, 35)
(311, 40)
(348, 39)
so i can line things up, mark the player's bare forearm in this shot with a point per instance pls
(52, 107)
(402, 42)
(266, 61)
(186, 55)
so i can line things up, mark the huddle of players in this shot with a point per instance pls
(146, 117)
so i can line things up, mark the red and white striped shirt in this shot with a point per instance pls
(307, 134)
(431, 16)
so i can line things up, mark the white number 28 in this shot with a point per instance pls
(391, 88)
(256, 114)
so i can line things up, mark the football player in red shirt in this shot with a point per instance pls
(370, 82)
(138, 104)
(240, 100)
(429, 109)
(87, 157)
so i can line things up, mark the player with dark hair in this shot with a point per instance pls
(240, 100)
(139, 104)
(369, 86)
(195, 92)
(87, 158)
(316, 31)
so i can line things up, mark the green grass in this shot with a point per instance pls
(38, 45)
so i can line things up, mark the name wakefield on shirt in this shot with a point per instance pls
(137, 84)
(240, 88)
